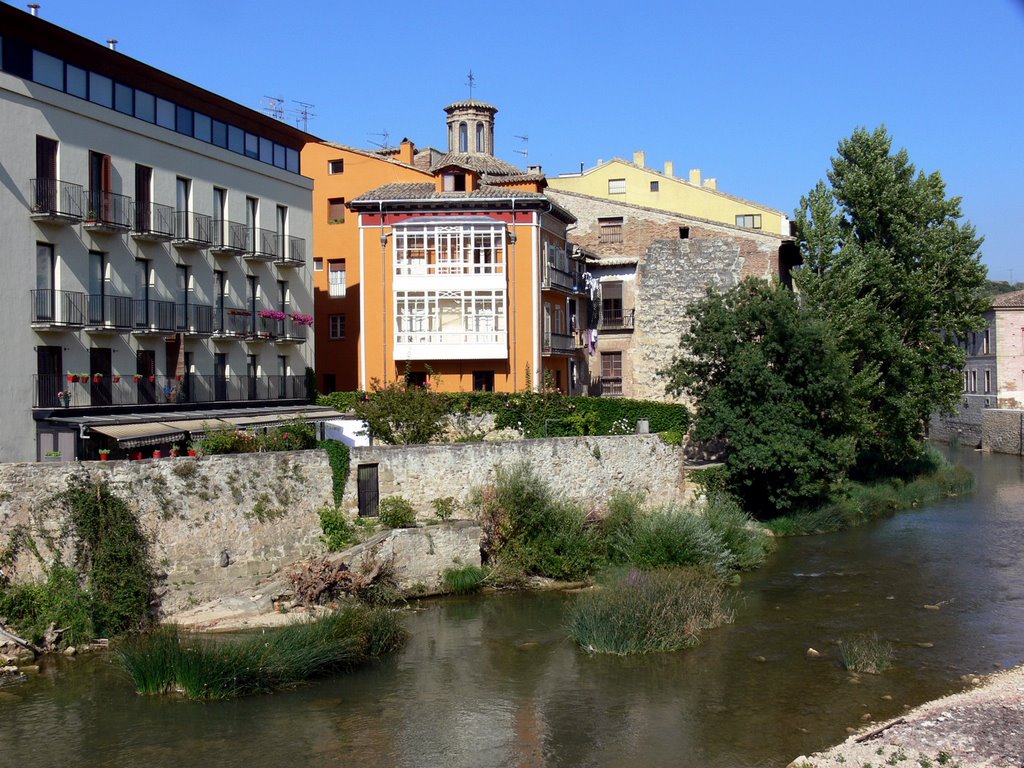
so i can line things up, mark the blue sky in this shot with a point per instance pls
(757, 95)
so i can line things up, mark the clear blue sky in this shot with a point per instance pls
(756, 94)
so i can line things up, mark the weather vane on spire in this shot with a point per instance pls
(471, 81)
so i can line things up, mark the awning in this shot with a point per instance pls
(200, 426)
(136, 435)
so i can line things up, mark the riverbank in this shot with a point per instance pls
(979, 727)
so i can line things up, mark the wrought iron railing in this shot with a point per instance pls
(230, 236)
(153, 220)
(55, 198)
(58, 308)
(107, 209)
(72, 391)
(193, 228)
(106, 311)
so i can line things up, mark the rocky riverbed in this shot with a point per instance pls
(983, 726)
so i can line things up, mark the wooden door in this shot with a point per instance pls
(369, 490)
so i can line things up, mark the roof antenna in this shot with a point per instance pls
(525, 151)
(273, 106)
(386, 136)
(471, 81)
(304, 114)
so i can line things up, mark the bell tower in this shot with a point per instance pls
(471, 127)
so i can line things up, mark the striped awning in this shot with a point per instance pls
(139, 434)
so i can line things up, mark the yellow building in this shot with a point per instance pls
(636, 184)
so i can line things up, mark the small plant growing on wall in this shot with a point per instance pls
(444, 507)
(396, 512)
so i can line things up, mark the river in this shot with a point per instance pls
(492, 681)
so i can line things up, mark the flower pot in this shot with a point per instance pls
(103, 456)
(117, 379)
(157, 454)
(72, 379)
(174, 452)
(97, 379)
(191, 451)
(152, 379)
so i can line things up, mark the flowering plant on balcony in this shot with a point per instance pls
(137, 377)
(64, 398)
(272, 314)
(301, 319)
(238, 311)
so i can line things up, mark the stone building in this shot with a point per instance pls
(647, 267)
(165, 229)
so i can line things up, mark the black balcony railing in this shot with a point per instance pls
(105, 311)
(559, 344)
(200, 319)
(57, 308)
(107, 210)
(293, 252)
(553, 277)
(154, 315)
(153, 221)
(59, 391)
(616, 320)
(264, 244)
(191, 228)
(230, 237)
(232, 321)
(56, 200)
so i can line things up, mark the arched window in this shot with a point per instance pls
(463, 138)
(480, 138)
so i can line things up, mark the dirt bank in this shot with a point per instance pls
(983, 726)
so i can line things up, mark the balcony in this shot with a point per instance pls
(60, 391)
(153, 223)
(616, 320)
(198, 319)
(264, 245)
(55, 202)
(192, 231)
(559, 344)
(108, 314)
(293, 254)
(229, 238)
(290, 332)
(267, 326)
(151, 317)
(57, 310)
(415, 344)
(232, 323)
(557, 279)
(107, 212)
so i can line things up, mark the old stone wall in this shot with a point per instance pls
(1002, 431)
(588, 469)
(213, 523)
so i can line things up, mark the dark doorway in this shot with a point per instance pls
(145, 369)
(100, 368)
(48, 376)
(220, 376)
(369, 492)
(46, 175)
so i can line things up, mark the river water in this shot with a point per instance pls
(492, 681)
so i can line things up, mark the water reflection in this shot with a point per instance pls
(494, 682)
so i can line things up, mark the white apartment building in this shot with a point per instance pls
(154, 248)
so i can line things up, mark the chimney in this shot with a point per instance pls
(669, 169)
(695, 176)
(534, 169)
(33, 8)
(639, 157)
(711, 183)
(112, 44)
(406, 152)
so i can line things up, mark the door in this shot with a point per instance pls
(184, 223)
(100, 385)
(97, 289)
(141, 302)
(46, 200)
(282, 376)
(44, 303)
(220, 376)
(101, 174)
(145, 369)
(181, 298)
(143, 198)
(369, 491)
(251, 371)
(49, 372)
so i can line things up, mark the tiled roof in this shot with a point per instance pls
(1008, 300)
(482, 164)
(428, 191)
(387, 156)
(526, 176)
(471, 103)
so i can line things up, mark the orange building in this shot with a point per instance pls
(466, 272)
(341, 173)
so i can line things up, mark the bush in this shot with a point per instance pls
(165, 662)
(748, 542)
(648, 612)
(672, 536)
(60, 600)
(461, 581)
(339, 533)
(444, 507)
(339, 458)
(219, 441)
(866, 653)
(401, 413)
(527, 529)
(298, 436)
(396, 512)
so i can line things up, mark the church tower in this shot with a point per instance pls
(471, 127)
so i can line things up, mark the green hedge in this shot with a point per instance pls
(551, 415)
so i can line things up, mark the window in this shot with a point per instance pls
(455, 182)
(609, 230)
(974, 381)
(203, 127)
(145, 106)
(684, 233)
(78, 82)
(336, 324)
(749, 220)
(611, 373)
(335, 166)
(616, 186)
(654, 186)
(101, 90)
(336, 210)
(336, 278)
(416, 379)
(611, 303)
(988, 382)
(984, 347)
(463, 138)
(123, 99)
(480, 146)
(48, 70)
(483, 381)
(318, 265)
(282, 227)
(165, 114)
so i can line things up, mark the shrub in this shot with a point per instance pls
(165, 662)
(748, 542)
(60, 600)
(444, 507)
(339, 533)
(461, 581)
(866, 653)
(338, 457)
(647, 612)
(671, 536)
(527, 529)
(396, 512)
(217, 441)
(298, 436)
(401, 413)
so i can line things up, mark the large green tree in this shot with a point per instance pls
(766, 377)
(895, 272)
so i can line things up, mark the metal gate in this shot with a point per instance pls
(369, 492)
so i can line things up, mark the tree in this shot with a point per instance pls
(766, 377)
(403, 413)
(891, 268)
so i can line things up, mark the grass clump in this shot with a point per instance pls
(464, 580)
(649, 611)
(166, 662)
(396, 512)
(866, 653)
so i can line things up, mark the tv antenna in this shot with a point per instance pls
(273, 106)
(386, 136)
(525, 151)
(303, 114)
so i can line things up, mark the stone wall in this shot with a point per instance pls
(214, 523)
(1002, 431)
(589, 469)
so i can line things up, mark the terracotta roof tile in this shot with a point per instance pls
(1008, 300)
